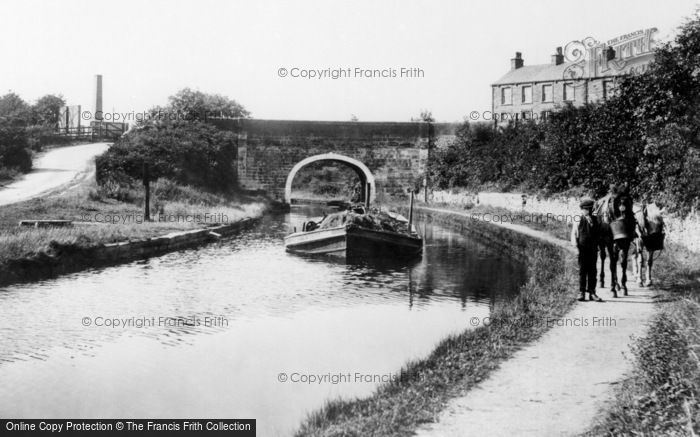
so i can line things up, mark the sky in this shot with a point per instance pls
(147, 51)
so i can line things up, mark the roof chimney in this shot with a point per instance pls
(558, 57)
(610, 54)
(517, 61)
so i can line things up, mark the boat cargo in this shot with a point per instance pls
(357, 232)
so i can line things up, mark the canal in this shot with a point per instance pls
(237, 329)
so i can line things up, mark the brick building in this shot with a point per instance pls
(534, 91)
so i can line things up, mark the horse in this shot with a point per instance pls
(616, 220)
(649, 238)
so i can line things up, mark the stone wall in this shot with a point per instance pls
(682, 231)
(395, 153)
(508, 242)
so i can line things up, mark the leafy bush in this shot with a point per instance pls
(647, 136)
(185, 150)
(15, 154)
(190, 153)
(24, 128)
(326, 179)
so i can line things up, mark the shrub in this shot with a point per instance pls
(647, 136)
(190, 153)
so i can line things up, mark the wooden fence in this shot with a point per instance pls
(94, 132)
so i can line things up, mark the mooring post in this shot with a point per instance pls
(367, 190)
(147, 188)
(427, 163)
(410, 213)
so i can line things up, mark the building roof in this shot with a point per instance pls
(550, 72)
(534, 73)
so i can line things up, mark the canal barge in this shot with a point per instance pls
(357, 233)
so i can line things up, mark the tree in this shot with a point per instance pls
(46, 110)
(199, 105)
(14, 151)
(191, 153)
(425, 117)
(13, 108)
(663, 105)
(15, 154)
(647, 135)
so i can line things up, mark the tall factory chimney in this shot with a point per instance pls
(98, 98)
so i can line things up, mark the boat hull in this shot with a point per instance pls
(352, 242)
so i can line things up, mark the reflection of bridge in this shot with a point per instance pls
(388, 157)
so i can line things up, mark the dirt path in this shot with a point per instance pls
(54, 170)
(557, 385)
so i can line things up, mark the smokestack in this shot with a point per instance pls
(517, 62)
(558, 57)
(98, 98)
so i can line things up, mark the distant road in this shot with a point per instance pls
(52, 170)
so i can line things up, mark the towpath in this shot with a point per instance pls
(56, 169)
(557, 385)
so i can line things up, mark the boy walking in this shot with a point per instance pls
(585, 235)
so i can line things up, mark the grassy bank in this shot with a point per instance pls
(459, 362)
(662, 395)
(99, 219)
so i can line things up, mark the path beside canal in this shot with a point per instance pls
(53, 170)
(559, 384)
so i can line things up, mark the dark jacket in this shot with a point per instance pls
(585, 234)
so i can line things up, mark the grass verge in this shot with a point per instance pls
(662, 394)
(99, 219)
(459, 362)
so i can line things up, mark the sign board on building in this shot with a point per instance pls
(630, 53)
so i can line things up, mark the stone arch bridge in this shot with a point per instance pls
(388, 157)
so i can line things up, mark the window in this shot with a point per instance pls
(608, 89)
(569, 92)
(527, 94)
(547, 93)
(506, 96)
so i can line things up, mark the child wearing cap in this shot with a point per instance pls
(584, 236)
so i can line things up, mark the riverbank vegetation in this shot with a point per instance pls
(459, 362)
(661, 396)
(26, 129)
(100, 219)
(176, 143)
(647, 135)
(191, 177)
(324, 180)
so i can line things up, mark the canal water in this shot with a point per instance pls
(237, 329)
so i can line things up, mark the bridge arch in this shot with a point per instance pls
(366, 176)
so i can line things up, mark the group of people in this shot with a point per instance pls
(611, 226)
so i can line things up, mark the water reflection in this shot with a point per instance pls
(282, 312)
